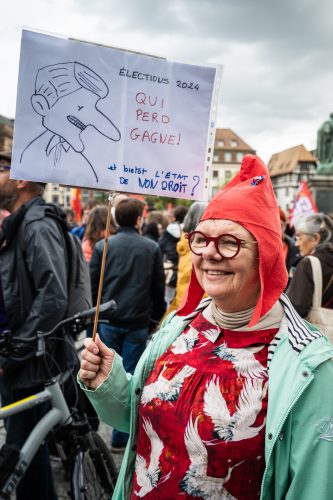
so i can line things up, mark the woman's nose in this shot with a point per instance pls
(210, 252)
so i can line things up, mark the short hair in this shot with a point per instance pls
(193, 216)
(179, 213)
(158, 217)
(128, 211)
(6, 155)
(317, 223)
(58, 80)
(36, 188)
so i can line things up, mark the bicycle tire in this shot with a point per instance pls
(94, 473)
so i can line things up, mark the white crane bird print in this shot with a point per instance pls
(164, 389)
(235, 427)
(243, 360)
(196, 481)
(185, 342)
(148, 476)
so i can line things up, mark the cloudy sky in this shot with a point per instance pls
(277, 56)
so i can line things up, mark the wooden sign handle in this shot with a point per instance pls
(101, 277)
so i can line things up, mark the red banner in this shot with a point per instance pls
(76, 203)
(303, 204)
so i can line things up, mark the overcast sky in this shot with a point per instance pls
(277, 86)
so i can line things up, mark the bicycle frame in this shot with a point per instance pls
(58, 414)
(16, 461)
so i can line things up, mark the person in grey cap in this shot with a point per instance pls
(66, 97)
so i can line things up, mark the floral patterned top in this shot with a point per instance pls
(202, 416)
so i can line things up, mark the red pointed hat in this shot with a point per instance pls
(249, 200)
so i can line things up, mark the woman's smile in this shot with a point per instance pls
(216, 273)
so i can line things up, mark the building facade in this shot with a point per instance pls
(288, 169)
(229, 150)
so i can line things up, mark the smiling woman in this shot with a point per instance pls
(201, 422)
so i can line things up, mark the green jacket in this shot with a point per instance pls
(299, 425)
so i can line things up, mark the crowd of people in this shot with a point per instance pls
(213, 381)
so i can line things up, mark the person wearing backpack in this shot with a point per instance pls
(34, 280)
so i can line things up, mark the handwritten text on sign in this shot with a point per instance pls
(98, 117)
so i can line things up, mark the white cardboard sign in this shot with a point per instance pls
(103, 118)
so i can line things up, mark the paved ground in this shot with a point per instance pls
(62, 486)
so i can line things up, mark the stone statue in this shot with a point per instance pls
(325, 147)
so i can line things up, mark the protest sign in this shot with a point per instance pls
(103, 118)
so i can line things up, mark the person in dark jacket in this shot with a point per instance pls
(33, 297)
(314, 236)
(134, 278)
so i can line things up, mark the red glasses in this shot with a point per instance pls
(227, 245)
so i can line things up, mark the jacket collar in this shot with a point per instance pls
(300, 333)
(127, 229)
(13, 221)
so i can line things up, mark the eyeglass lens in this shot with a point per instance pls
(227, 245)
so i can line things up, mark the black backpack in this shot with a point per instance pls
(79, 290)
(78, 280)
(78, 283)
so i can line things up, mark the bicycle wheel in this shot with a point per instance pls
(94, 473)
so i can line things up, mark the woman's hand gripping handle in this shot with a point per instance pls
(96, 363)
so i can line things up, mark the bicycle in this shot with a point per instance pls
(87, 461)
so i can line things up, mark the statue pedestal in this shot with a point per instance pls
(321, 186)
(325, 169)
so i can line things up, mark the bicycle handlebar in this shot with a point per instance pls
(110, 305)
(8, 340)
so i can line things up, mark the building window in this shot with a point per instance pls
(216, 157)
(239, 156)
(227, 156)
(227, 175)
(233, 143)
(220, 144)
(304, 167)
(215, 174)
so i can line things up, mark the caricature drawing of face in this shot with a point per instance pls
(70, 116)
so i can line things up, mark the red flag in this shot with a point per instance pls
(303, 204)
(76, 203)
